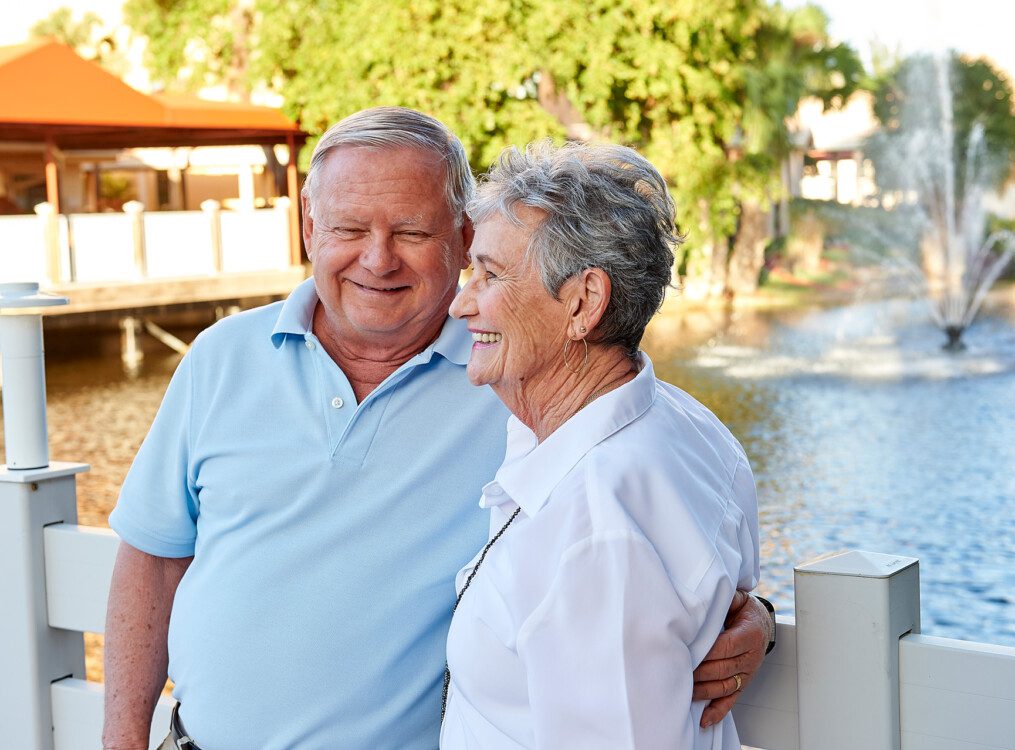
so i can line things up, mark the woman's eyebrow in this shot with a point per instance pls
(486, 260)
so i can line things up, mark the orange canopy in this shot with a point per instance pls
(48, 93)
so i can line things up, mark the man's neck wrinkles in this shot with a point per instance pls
(367, 368)
(366, 363)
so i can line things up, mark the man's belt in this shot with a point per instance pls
(177, 733)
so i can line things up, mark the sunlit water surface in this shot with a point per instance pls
(864, 434)
(861, 431)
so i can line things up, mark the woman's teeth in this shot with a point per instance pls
(487, 338)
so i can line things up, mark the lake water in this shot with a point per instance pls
(863, 434)
(861, 431)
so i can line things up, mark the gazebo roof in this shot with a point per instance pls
(49, 93)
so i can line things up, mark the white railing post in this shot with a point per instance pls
(135, 213)
(34, 493)
(50, 220)
(24, 373)
(851, 610)
(213, 210)
(33, 655)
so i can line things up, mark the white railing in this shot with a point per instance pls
(133, 245)
(23, 246)
(254, 240)
(102, 247)
(180, 243)
(22, 249)
(863, 687)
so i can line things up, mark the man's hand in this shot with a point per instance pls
(737, 651)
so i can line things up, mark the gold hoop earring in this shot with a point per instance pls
(567, 354)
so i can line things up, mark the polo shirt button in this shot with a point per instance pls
(310, 345)
(337, 402)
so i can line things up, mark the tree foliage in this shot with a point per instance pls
(682, 81)
(196, 43)
(85, 35)
(702, 89)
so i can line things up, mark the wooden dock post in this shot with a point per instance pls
(52, 175)
(851, 611)
(131, 351)
(293, 193)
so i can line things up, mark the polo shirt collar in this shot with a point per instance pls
(531, 470)
(454, 343)
(297, 318)
(297, 315)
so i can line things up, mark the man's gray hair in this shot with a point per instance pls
(606, 207)
(398, 127)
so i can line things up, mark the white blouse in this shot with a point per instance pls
(583, 625)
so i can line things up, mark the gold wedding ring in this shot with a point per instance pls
(740, 683)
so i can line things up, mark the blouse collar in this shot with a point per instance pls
(531, 470)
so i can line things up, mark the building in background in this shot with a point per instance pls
(828, 162)
(76, 141)
(130, 203)
(73, 134)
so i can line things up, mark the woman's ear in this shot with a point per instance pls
(586, 296)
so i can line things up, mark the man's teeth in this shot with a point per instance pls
(380, 288)
(487, 338)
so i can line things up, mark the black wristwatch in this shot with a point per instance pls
(771, 611)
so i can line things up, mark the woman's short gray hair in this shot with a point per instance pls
(606, 207)
(398, 127)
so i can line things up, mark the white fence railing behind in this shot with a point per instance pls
(77, 715)
(255, 240)
(23, 248)
(135, 245)
(178, 243)
(103, 247)
(952, 694)
(956, 695)
(79, 563)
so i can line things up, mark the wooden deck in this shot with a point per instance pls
(151, 293)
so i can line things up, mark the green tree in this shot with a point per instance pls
(701, 89)
(192, 44)
(467, 62)
(85, 35)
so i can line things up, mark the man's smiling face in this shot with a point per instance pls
(383, 243)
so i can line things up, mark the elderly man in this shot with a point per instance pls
(293, 522)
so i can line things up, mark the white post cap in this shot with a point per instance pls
(858, 563)
(27, 294)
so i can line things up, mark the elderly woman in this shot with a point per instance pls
(624, 515)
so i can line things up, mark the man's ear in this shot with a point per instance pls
(308, 223)
(586, 297)
(468, 234)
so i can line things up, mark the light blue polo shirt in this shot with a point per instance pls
(326, 534)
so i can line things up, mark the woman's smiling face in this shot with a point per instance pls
(518, 329)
